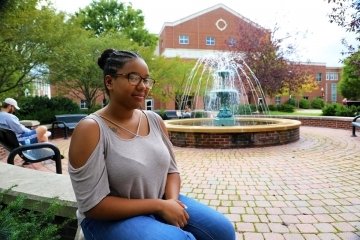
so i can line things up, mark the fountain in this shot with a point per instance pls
(226, 95)
(230, 97)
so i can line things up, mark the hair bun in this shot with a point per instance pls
(104, 56)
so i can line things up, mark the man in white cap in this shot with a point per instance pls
(9, 120)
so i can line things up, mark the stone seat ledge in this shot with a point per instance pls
(39, 187)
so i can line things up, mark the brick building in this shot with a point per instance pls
(218, 28)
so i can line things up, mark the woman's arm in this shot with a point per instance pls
(172, 188)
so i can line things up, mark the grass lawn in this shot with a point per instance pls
(299, 112)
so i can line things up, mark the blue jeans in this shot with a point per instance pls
(204, 224)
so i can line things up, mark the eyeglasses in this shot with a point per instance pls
(135, 79)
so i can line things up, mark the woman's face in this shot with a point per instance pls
(124, 92)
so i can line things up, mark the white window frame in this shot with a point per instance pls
(277, 100)
(318, 77)
(184, 39)
(332, 76)
(231, 42)
(149, 106)
(333, 92)
(83, 104)
(210, 41)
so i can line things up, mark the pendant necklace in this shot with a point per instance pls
(123, 128)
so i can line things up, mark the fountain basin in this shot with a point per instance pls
(198, 133)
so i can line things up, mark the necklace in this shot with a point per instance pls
(123, 128)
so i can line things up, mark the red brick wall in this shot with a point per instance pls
(198, 28)
(233, 140)
(239, 140)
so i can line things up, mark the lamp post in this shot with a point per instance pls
(322, 92)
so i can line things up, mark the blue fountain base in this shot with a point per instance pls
(229, 121)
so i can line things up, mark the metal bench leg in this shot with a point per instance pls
(65, 133)
(353, 131)
(58, 166)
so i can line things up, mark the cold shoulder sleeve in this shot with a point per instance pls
(90, 182)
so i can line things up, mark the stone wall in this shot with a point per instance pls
(41, 187)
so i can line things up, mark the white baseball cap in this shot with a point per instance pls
(12, 102)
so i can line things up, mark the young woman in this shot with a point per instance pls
(123, 169)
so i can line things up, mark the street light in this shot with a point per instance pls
(322, 92)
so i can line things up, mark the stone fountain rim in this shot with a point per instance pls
(276, 124)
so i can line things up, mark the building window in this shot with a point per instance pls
(333, 92)
(318, 77)
(306, 97)
(277, 100)
(183, 39)
(83, 104)
(332, 76)
(40, 88)
(231, 42)
(210, 41)
(149, 104)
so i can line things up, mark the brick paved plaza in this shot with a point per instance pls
(309, 189)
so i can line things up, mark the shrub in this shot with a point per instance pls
(344, 111)
(245, 109)
(329, 109)
(304, 103)
(44, 109)
(286, 108)
(317, 103)
(272, 107)
(336, 109)
(18, 223)
(292, 102)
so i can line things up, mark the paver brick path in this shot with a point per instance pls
(309, 189)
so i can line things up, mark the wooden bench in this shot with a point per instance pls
(66, 122)
(355, 124)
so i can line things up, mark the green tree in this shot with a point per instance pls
(171, 75)
(75, 71)
(27, 38)
(110, 15)
(349, 85)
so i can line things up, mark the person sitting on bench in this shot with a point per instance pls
(23, 134)
(187, 112)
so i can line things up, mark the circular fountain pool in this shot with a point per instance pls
(247, 132)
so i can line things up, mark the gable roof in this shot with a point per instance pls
(220, 5)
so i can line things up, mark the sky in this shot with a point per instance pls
(306, 22)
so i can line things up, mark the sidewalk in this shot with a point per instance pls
(309, 189)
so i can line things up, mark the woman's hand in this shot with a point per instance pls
(174, 212)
